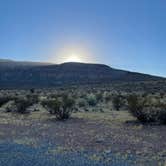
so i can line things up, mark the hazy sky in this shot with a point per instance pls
(126, 34)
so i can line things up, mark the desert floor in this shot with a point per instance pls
(87, 139)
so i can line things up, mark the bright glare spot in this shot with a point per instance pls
(72, 54)
(73, 58)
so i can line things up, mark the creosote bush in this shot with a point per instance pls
(82, 102)
(99, 97)
(145, 112)
(60, 107)
(136, 108)
(5, 99)
(22, 104)
(91, 99)
(117, 102)
(107, 97)
(33, 98)
(10, 107)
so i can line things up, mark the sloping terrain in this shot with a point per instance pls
(33, 74)
(10, 64)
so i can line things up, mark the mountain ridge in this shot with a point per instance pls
(14, 64)
(35, 74)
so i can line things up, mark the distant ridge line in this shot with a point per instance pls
(38, 74)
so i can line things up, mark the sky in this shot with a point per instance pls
(124, 34)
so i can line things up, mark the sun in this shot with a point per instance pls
(73, 58)
(77, 54)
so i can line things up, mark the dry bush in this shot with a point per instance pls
(147, 111)
(82, 102)
(60, 107)
(117, 102)
(5, 99)
(91, 100)
(22, 104)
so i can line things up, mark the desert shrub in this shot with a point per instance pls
(144, 95)
(144, 112)
(155, 114)
(5, 99)
(161, 116)
(91, 99)
(60, 107)
(33, 98)
(32, 90)
(52, 105)
(162, 94)
(117, 102)
(99, 97)
(136, 107)
(53, 95)
(107, 96)
(67, 106)
(82, 102)
(161, 112)
(9, 107)
(22, 104)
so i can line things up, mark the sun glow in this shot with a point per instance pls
(72, 54)
(73, 58)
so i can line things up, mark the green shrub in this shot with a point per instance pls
(5, 99)
(60, 107)
(53, 105)
(117, 102)
(136, 108)
(161, 118)
(155, 114)
(99, 97)
(162, 94)
(82, 102)
(91, 99)
(32, 90)
(22, 104)
(33, 98)
(145, 112)
(107, 96)
(9, 106)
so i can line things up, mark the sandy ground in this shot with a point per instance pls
(101, 138)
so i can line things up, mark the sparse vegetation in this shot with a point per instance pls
(146, 111)
(117, 102)
(22, 104)
(94, 114)
(82, 102)
(60, 107)
(4, 99)
(146, 106)
(136, 107)
(91, 99)
(99, 96)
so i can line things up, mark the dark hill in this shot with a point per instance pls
(6, 63)
(33, 74)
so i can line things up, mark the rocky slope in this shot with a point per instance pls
(33, 74)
